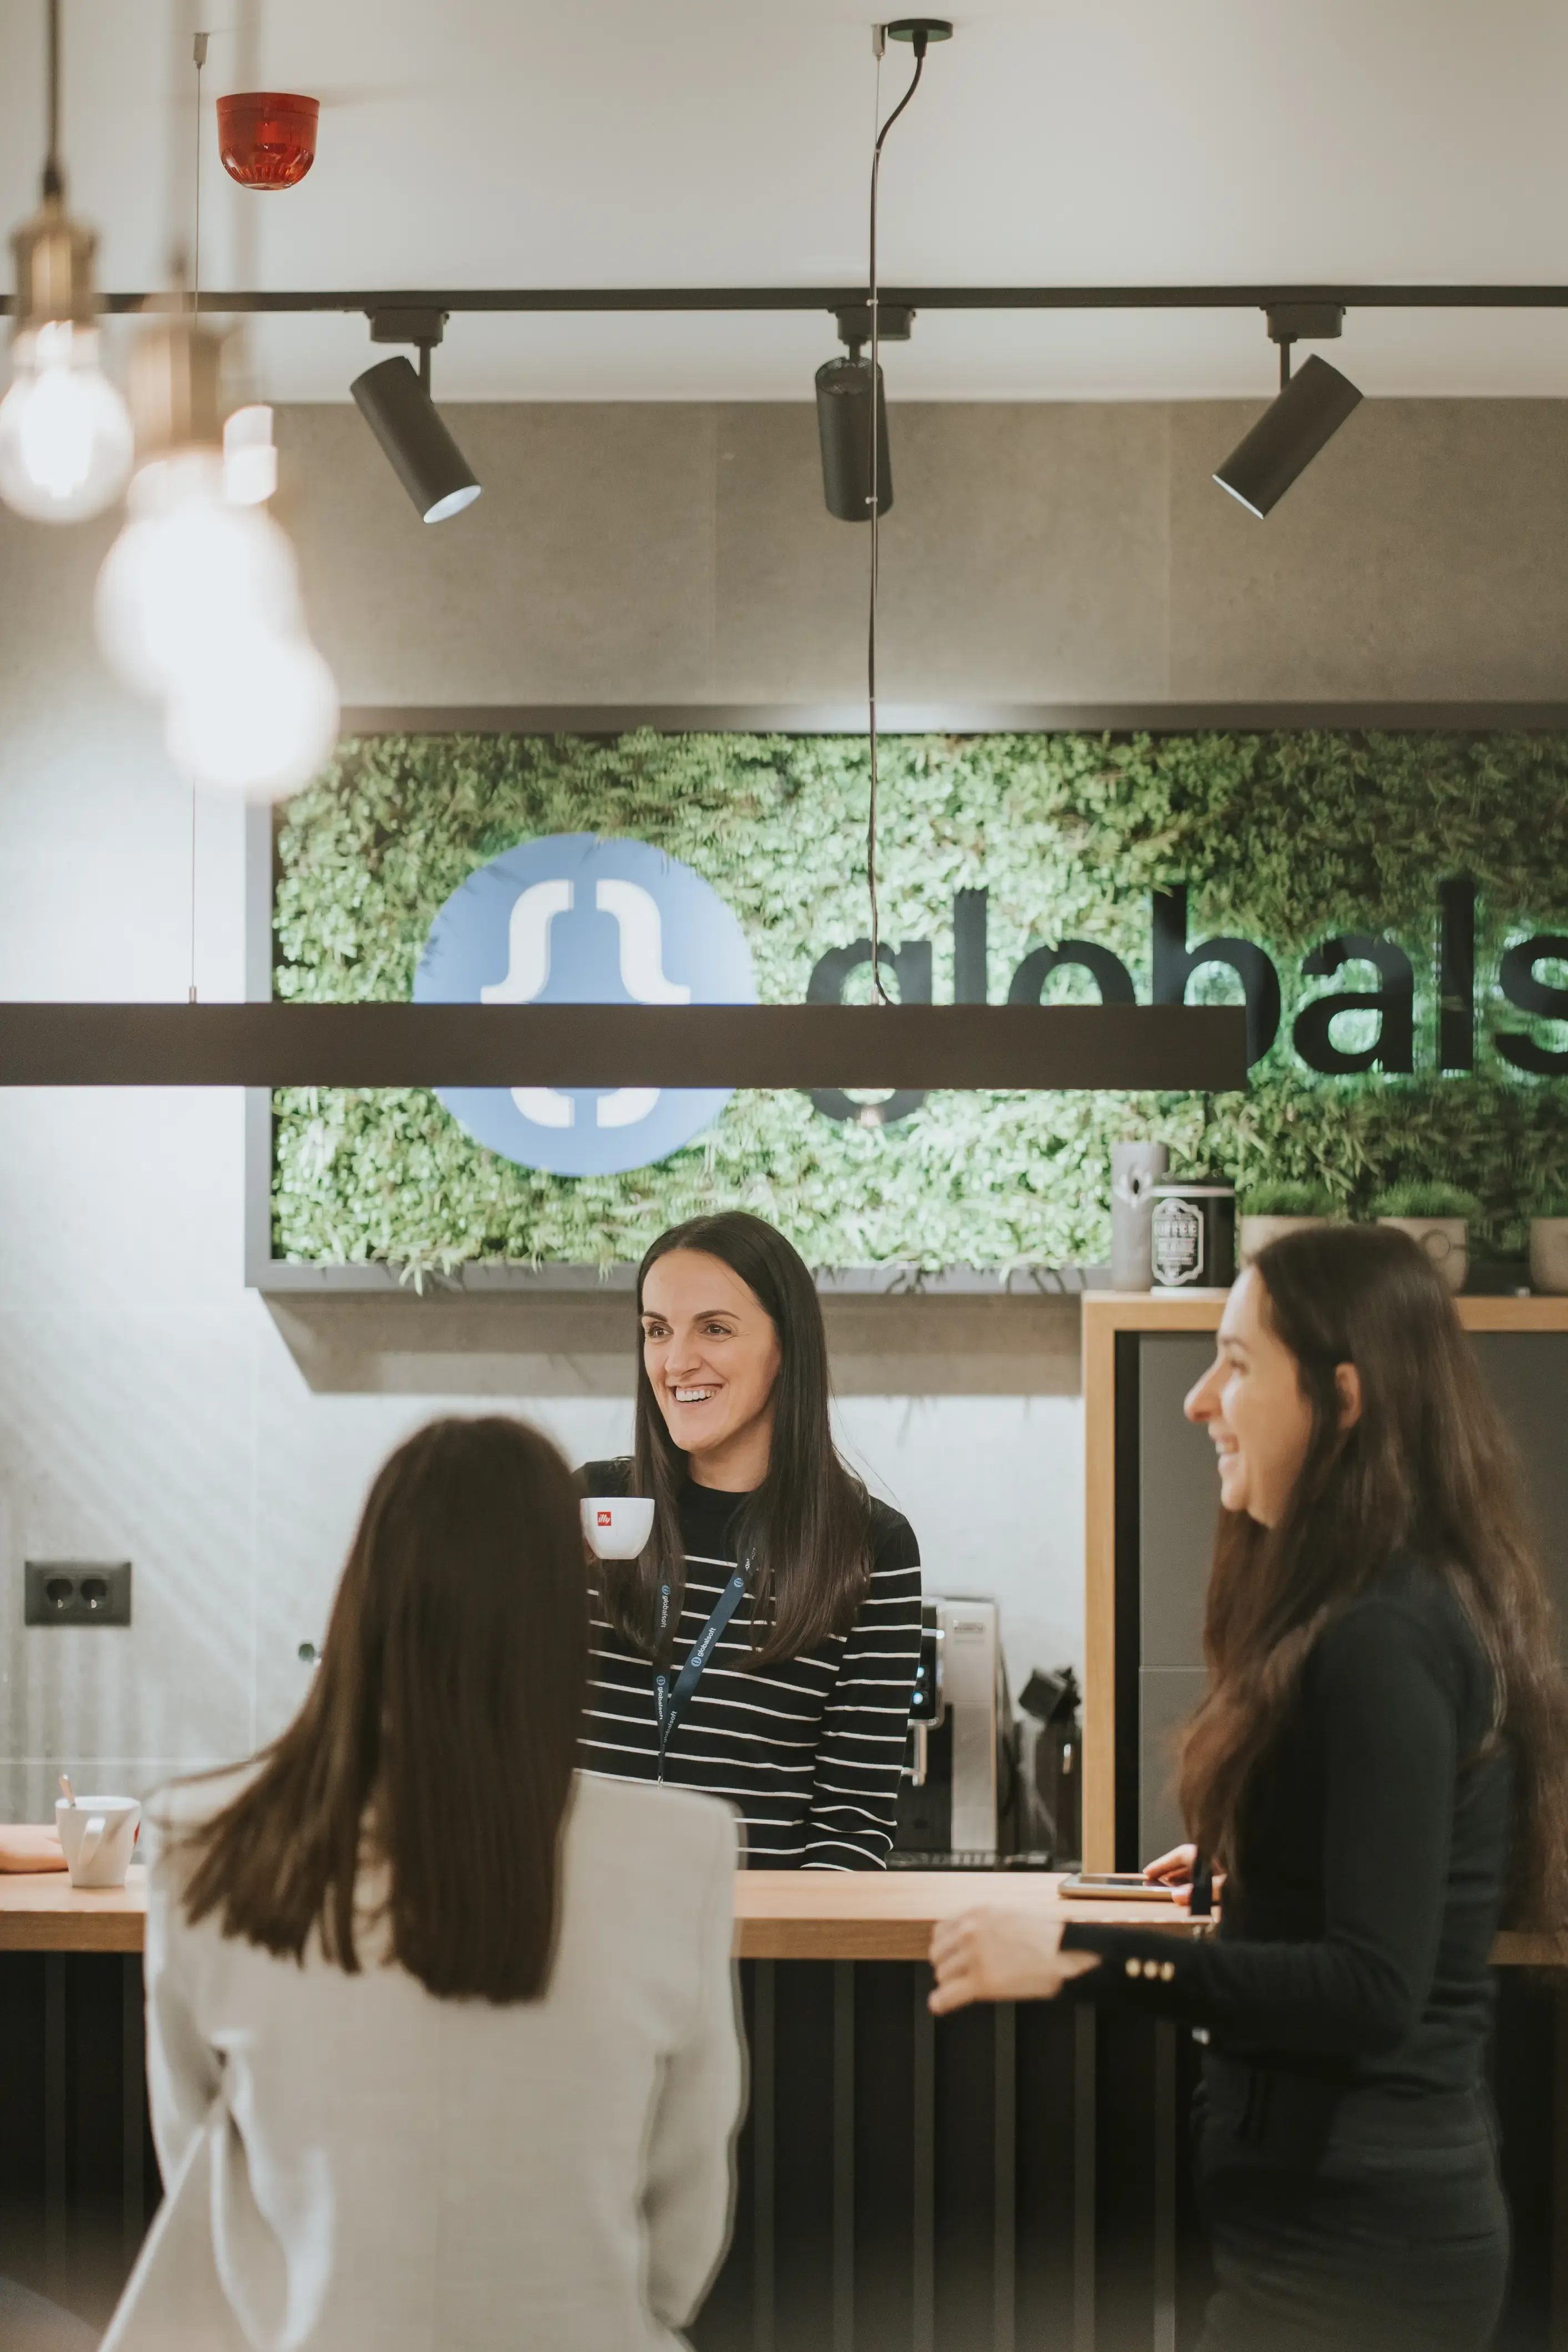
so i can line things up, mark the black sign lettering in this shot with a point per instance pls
(1393, 1047)
(1175, 963)
(971, 962)
(1107, 972)
(1520, 985)
(911, 967)
(1457, 974)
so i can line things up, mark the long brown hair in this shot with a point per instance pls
(1427, 1471)
(807, 1527)
(440, 1732)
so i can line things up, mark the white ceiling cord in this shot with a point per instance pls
(919, 32)
(198, 58)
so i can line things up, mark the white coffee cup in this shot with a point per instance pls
(617, 1526)
(98, 1834)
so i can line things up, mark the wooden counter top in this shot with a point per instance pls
(795, 1914)
(860, 1915)
(41, 1911)
(780, 1914)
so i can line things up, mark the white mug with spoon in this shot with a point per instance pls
(99, 1835)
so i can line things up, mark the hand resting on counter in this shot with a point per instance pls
(24, 1845)
(1174, 1871)
(998, 1955)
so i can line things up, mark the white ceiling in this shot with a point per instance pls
(726, 141)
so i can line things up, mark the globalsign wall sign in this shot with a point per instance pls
(1393, 908)
(573, 919)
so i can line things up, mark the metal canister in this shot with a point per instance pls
(1192, 1236)
(1135, 1170)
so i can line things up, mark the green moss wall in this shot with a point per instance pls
(1285, 838)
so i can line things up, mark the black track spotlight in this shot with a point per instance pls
(842, 399)
(396, 403)
(843, 417)
(1311, 406)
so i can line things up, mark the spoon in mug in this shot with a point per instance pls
(65, 1788)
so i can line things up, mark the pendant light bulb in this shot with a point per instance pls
(198, 600)
(259, 719)
(190, 576)
(65, 432)
(66, 442)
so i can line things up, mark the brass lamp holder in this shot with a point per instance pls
(174, 402)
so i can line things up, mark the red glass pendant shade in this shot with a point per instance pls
(267, 138)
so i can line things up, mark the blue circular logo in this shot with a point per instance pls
(576, 920)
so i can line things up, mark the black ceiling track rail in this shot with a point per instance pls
(837, 298)
(1004, 1049)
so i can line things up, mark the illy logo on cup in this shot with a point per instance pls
(606, 1518)
(572, 919)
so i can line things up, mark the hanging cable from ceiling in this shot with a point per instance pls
(65, 432)
(920, 32)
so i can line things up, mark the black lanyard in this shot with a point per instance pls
(672, 1700)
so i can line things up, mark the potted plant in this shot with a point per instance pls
(1549, 1245)
(1439, 1216)
(1270, 1209)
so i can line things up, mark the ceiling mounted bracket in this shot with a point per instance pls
(406, 324)
(896, 319)
(911, 29)
(1312, 322)
(1292, 323)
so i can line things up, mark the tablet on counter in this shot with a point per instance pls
(1115, 1886)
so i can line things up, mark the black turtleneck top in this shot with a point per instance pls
(1372, 1850)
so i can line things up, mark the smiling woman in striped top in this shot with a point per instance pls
(763, 1647)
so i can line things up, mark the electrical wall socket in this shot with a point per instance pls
(77, 1593)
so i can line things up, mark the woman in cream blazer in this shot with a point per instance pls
(358, 2158)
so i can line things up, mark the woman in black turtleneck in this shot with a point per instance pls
(1381, 1769)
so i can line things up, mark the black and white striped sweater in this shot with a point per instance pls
(808, 1748)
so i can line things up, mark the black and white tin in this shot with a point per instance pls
(1192, 1236)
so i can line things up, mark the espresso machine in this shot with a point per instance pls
(957, 1799)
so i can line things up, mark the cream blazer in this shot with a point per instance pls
(351, 2164)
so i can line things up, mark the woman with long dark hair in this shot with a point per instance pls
(765, 1546)
(1380, 1768)
(442, 2045)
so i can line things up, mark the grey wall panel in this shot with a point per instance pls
(1166, 1696)
(1180, 1496)
(1527, 1372)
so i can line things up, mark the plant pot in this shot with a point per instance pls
(1445, 1241)
(1256, 1232)
(1549, 1255)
